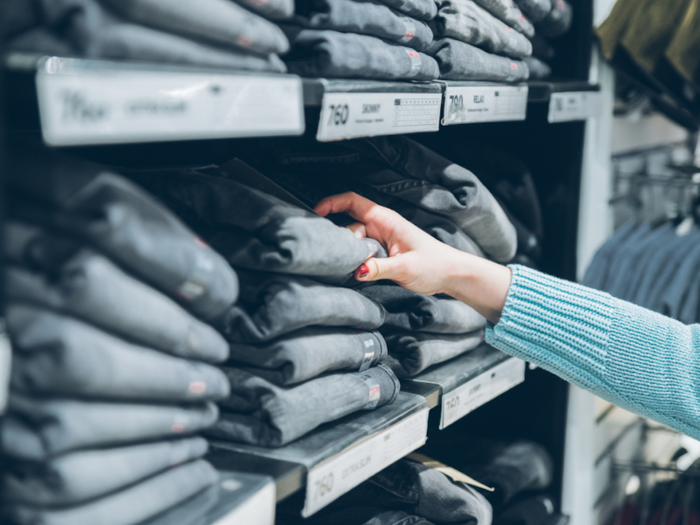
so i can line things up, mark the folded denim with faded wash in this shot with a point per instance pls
(271, 9)
(274, 305)
(418, 9)
(260, 232)
(364, 17)
(221, 22)
(461, 61)
(129, 506)
(37, 429)
(402, 168)
(558, 20)
(468, 22)
(85, 28)
(419, 490)
(79, 476)
(59, 355)
(260, 413)
(535, 10)
(116, 216)
(308, 353)
(509, 13)
(331, 54)
(194, 510)
(92, 288)
(411, 311)
(412, 352)
(538, 69)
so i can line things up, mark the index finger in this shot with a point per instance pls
(358, 207)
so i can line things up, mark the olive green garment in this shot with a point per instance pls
(612, 30)
(684, 50)
(651, 29)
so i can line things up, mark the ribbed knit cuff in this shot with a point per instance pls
(557, 324)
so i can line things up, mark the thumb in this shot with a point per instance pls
(376, 269)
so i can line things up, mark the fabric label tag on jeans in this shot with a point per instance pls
(371, 348)
(374, 391)
(484, 103)
(415, 60)
(410, 29)
(198, 281)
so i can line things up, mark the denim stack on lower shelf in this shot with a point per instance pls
(205, 33)
(304, 348)
(109, 297)
(362, 39)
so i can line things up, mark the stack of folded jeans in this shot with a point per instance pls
(362, 39)
(111, 375)
(206, 33)
(304, 350)
(475, 43)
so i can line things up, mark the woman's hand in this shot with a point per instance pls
(418, 261)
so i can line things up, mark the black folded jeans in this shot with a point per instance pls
(260, 413)
(364, 17)
(308, 353)
(331, 54)
(274, 305)
(80, 476)
(55, 355)
(131, 505)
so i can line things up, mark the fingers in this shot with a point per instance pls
(351, 203)
(358, 229)
(376, 269)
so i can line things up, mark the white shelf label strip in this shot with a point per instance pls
(257, 510)
(465, 105)
(480, 390)
(109, 107)
(576, 105)
(333, 478)
(353, 115)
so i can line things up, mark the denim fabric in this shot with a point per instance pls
(558, 20)
(535, 10)
(80, 476)
(411, 311)
(84, 28)
(418, 9)
(131, 227)
(260, 232)
(92, 288)
(674, 295)
(129, 506)
(364, 17)
(192, 511)
(509, 13)
(617, 280)
(221, 22)
(260, 413)
(58, 355)
(691, 303)
(331, 54)
(421, 491)
(274, 305)
(272, 9)
(529, 244)
(541, 48)
(597, 272)
(308, 353)
(412, 352)
(535, 510)
(360, 516)
(36, 429)
(538, 69)
(460, 61)
(470, 23)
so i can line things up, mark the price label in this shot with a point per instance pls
(339, 474)
(353, 115)
(108, 106)
(259, 509)
(480, 390)
(576, 105)
(464, 105)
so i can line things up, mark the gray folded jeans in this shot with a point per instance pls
(58, 355)
(466, 21)
(274, 305)
(264, 414)
(535, 10)
(461, 61)
(79, 476)
(506, 11)
(131, 505)
(418, 9)
(364, 17)
(272, 9)
(92, 288)
(310, 352)
(36, 429)
(331, 54)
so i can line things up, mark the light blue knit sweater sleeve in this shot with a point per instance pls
(634, 358)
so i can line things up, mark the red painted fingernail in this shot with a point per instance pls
(364, 270)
